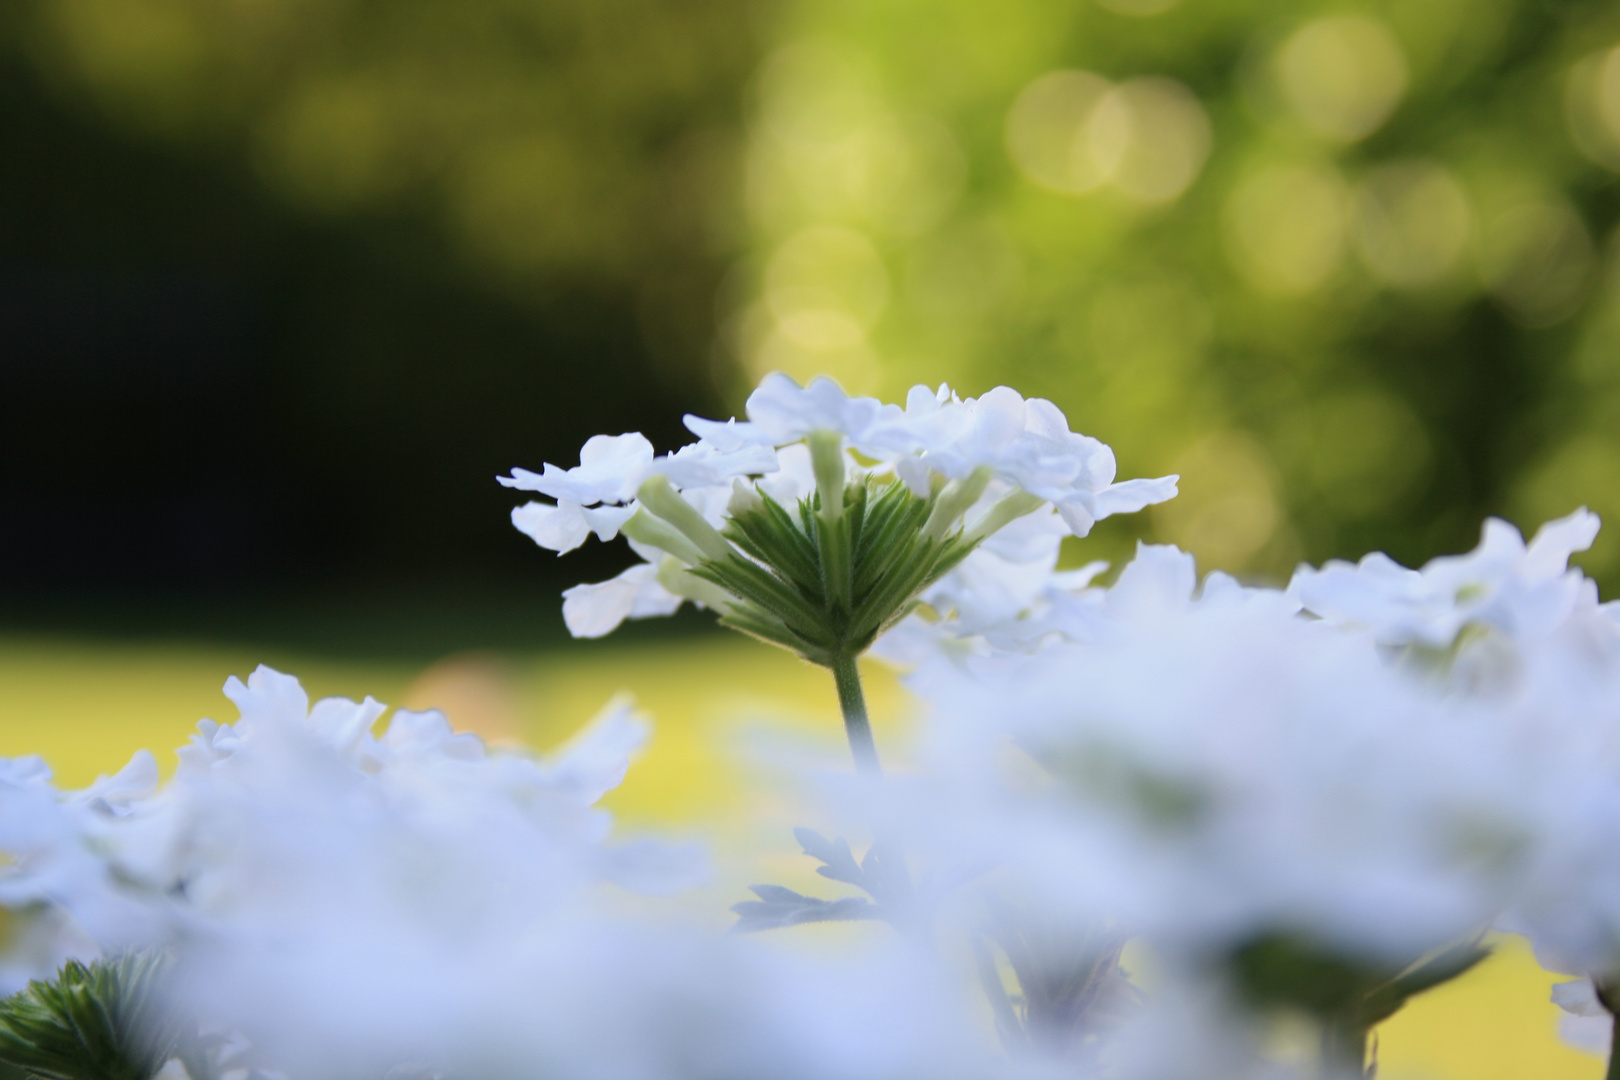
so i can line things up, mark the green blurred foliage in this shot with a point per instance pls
(1347, 267)
(1350, 268)
(284, 284)
(565, 139)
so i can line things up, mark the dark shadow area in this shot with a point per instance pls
(219, 418)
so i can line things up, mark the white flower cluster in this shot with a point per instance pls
(1374, 763)
(349, 903)
(1016, 446)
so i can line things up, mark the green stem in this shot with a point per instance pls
(1605, 990)
(856, 724)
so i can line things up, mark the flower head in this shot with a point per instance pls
(820, 520)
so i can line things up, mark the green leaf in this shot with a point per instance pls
(1442, 967)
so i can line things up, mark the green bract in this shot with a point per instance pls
(827, 584)
(99, 1021)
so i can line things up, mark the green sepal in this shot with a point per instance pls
(101, 1021)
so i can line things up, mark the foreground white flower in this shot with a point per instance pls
(351, 903)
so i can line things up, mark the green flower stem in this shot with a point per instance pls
(1605, 989)
(1010, 508)
(653, 531)
(659, 497)
(856, 724)
(954, 500)
(682, 582)
(827, 459)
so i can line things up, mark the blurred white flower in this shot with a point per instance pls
(1207, 769)
(1524, 592)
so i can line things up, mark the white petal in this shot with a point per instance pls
(558, 528)
(1579, 997)
(592, 611)
(1589, 1034)
(702, 465)
(728, 436)
(137, 780)
(1129, 496)
(269, 696)
(606, 521)
(1556, 541)
(610, 468)
(1161, 577)
(1077, 513)
(594, 761)
(343, 723)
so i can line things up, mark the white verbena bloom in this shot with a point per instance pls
(699, 517)
(1524, 591)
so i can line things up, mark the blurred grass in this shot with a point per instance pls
(87, 706)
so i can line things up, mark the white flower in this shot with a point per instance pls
(703, 465)
(611, 470)
(1213, 768)
(974, 468)
(350, 901)
(59, 890)
(1026, 444)
(1524, 592)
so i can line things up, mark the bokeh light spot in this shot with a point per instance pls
(814, 92)
(824, 288)
(1412, 223)
(827, 269)
(1049, 131)
(1227, 510)
(1139, 9)
(1073, 131)
(1165, 137)
(1592, 106)
(1537, 260)
(1342, 75)
(902, 173)
(1285, 227)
